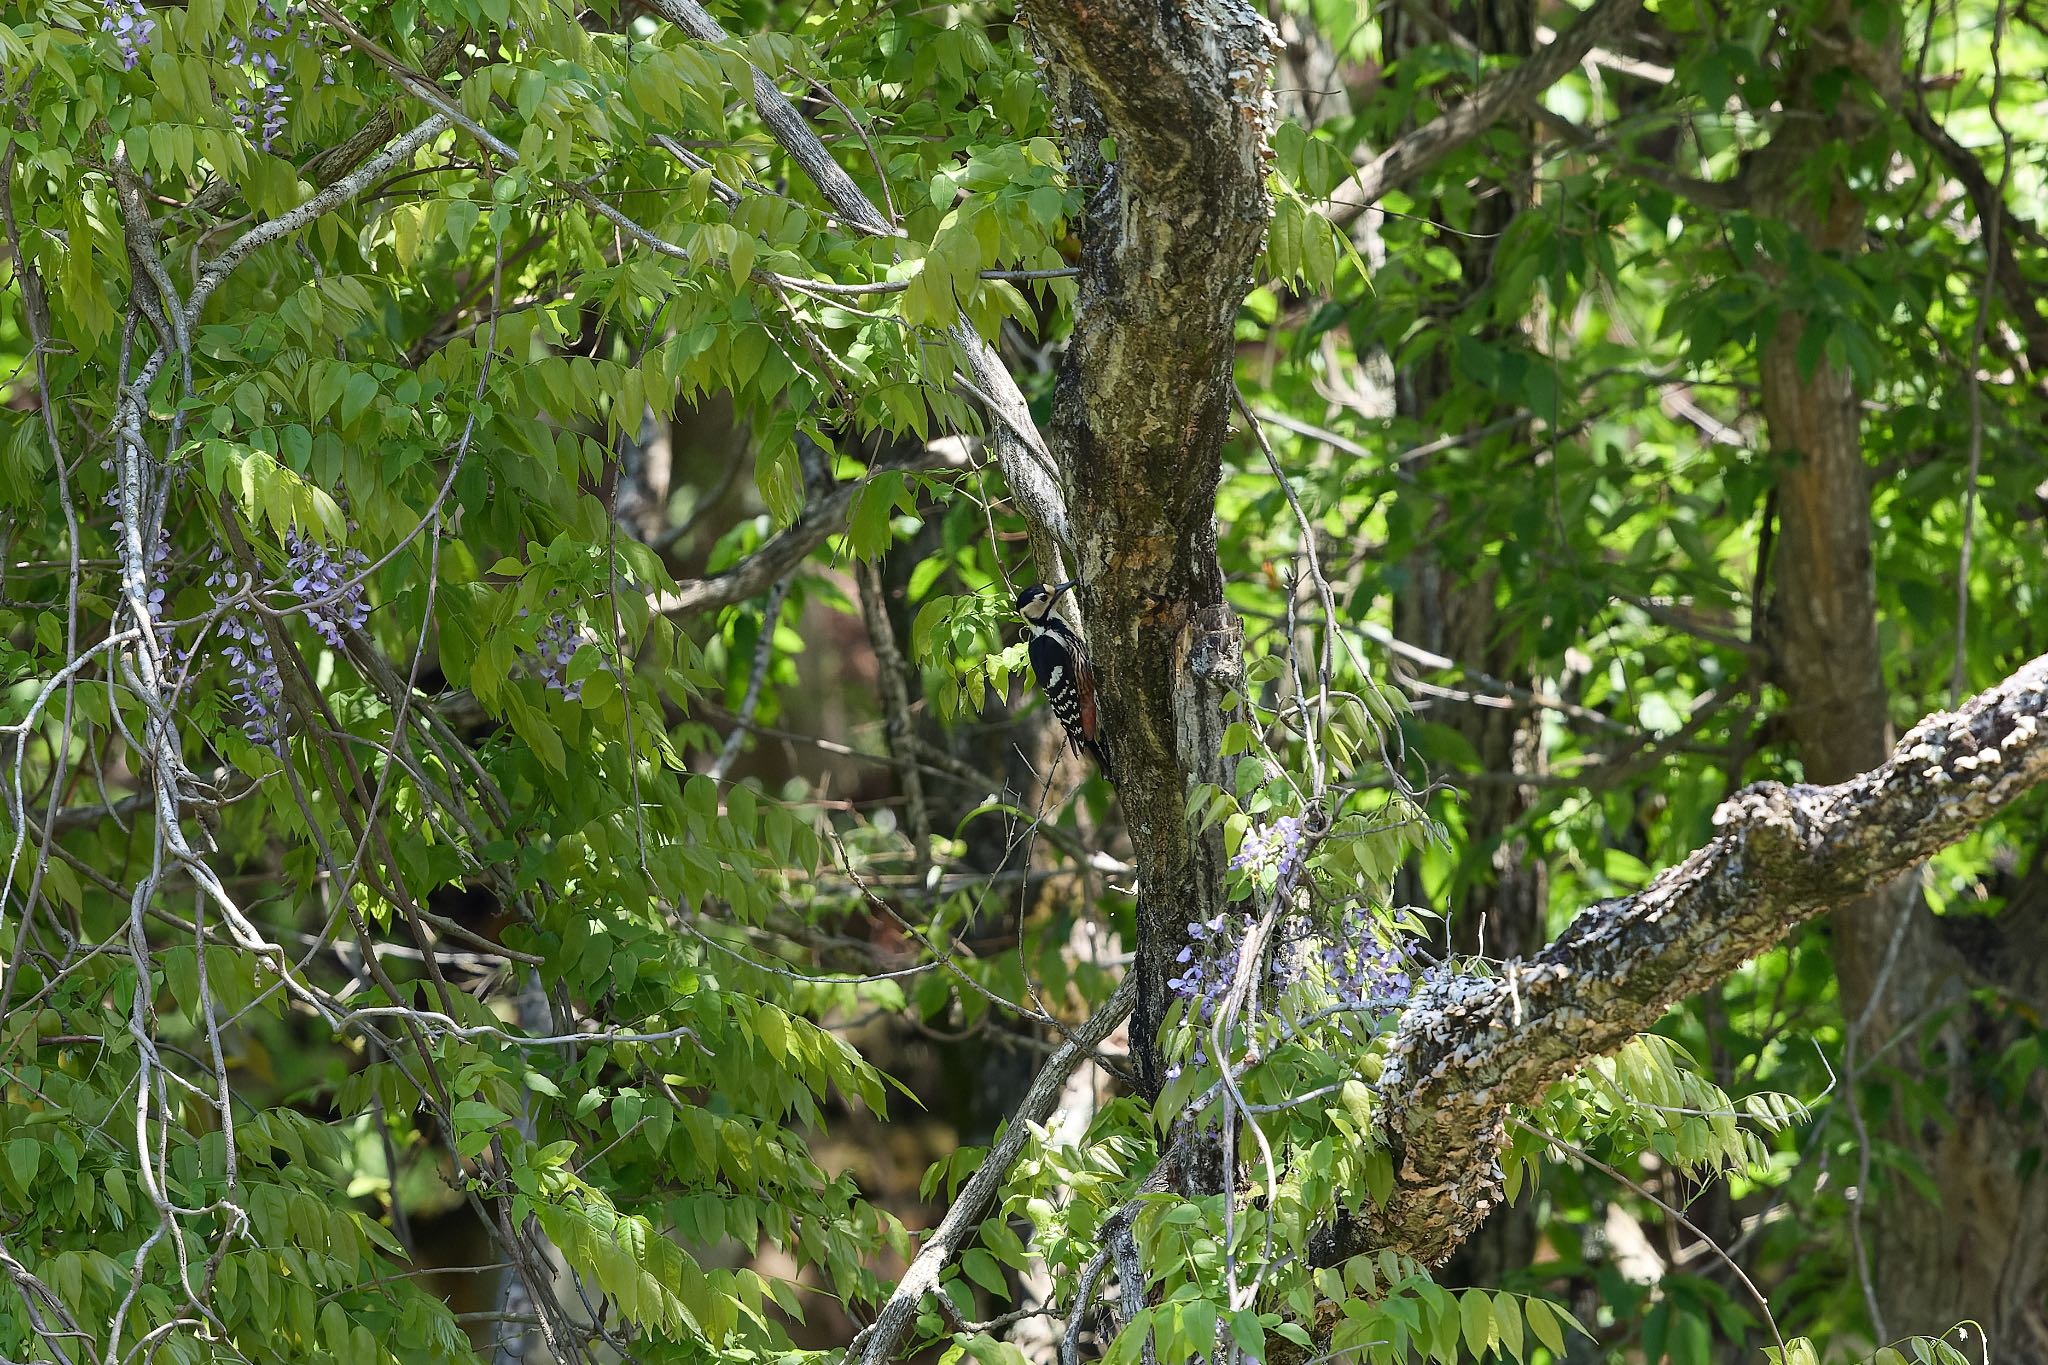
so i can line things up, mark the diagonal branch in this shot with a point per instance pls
(1021, 451)
(1720, 196)
(1470, 1049)
(325, 167)
(341, 191)
(879, 1343)
(788, 127)
(780, 555)
(1452, 129)
(2020, 296)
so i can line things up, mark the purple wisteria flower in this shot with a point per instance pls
(326, 583)
(132, 29)
(153, 561)
(1347, 967)
(1359, 973)
(154, 557)
(1208, 970)
(1208, 962)
(1278, 844)
(549, 658)
(323, 579)
(253, 680)
(262, 114)
(1366, 977)
(255, 683)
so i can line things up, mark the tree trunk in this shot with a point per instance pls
(1172, 227)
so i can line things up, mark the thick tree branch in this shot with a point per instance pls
(1452, 129)
(1470, 1049)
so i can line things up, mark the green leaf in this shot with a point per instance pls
(772, 1026)
(357, 391)
(1507, 1318)
(1544, 1324)
(985, 1271)
(1248, 1332)
(1475, 1309)
(530, 89)
(24, 1157)
(779, 477)
(461, 222)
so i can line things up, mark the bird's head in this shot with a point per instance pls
(1036, 602)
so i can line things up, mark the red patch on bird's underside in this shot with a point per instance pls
(1087, 690)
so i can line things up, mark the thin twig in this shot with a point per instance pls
(764, 654)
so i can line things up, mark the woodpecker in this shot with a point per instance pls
(1060, 662)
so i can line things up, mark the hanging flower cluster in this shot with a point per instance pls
(325, 581)
(1360, 974)
(1208, 966)
(132, 29)
(254, 683)
(1278, 844)
(330, 597)
(154, 556)
(1209, 960)
(1347, 962)
(262, 114)
(549, 658)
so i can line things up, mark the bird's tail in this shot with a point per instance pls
(1101, 757)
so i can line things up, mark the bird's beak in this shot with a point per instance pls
(1059, 588)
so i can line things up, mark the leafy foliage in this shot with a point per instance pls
(336, 337)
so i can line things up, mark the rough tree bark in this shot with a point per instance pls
(1470, 1049)
(1170, 232)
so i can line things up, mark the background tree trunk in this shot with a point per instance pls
(1979, 1254)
